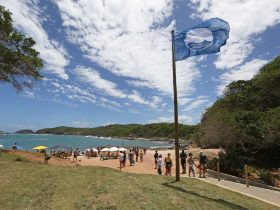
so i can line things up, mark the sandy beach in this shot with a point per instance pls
(145, 167)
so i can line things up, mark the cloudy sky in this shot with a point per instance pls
(110, 61)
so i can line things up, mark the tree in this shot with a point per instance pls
(245, 122)
(19, 62)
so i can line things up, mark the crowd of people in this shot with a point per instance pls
(134, 155)
(185, 159)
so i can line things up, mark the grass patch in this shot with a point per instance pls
(28, 185)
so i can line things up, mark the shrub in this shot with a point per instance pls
(18, 158)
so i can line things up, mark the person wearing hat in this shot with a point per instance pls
(202, 164)
(168, 164)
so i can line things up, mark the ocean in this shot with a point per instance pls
(28, 141)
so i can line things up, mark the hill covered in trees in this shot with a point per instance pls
(246, 121)
(150, 131)
(25, 131)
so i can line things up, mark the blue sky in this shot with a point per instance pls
(110, 61)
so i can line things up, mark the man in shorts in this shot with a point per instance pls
(202, 164)
(76, 153)
(183, 157)
(156, 157)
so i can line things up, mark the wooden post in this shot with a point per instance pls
(218, 169)
(175, 110)
(246, 175)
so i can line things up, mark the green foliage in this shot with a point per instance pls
(156, 130)
(18, 158)
(265, 176)
(18, 59)
(246, 122)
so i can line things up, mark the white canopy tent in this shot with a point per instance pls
(114, 149)
(105, 150)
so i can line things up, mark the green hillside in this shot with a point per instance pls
(246, 122)
(152, 131)
(41, 186)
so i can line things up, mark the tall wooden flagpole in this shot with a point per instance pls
(175, 110)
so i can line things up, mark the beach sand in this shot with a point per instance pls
(146, 167)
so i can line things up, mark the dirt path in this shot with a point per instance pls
(266, 195)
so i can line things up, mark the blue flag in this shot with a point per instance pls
(204, 38)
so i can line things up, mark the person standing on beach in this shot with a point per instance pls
(137, 154)
(191, 165)
(121, 158)
(141, 154)
(76, 153)
(202, 164)
(130, 157)
(156, 157)
(15, 146)
(168, 164)
(159, 164)
(124, 158)
(183, 157)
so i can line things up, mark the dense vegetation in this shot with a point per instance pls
(153, 131)
(25, 131)
(246, 122)
(18, 59)
(30, 185)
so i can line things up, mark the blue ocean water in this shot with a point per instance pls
(28, 141)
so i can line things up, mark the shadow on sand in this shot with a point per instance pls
(219, 201)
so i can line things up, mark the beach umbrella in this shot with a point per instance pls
(93, 149)
(122, 149)
(114, 149)
(40, 147)
(1, 146)
(105, 150)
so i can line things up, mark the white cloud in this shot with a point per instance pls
(156, 101)
(183, 119)
(82, 124)
(28, 94)
(93, 78)
(71, 91)
(246, 19)
(136, 97)
(196, 103)
(129, 38)
(28, 18)
(245, 72)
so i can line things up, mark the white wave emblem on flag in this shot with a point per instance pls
(198, 39)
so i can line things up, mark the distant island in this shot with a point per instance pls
(2, 132)
(155, 131)
(25, 131)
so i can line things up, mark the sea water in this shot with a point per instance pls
(28, 141)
